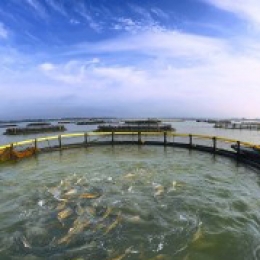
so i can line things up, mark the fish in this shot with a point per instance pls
(198, 234)
(89, 196)
(78, 181)
(107, 213)
(160, 257)
(99, 226)
(65, 213)
(91, 211)
(129, 176)
(41, 203)
(114, 224)
(134, 219)
(120, 257)
(71, 192)
(79, 209)
(78, 227)
(61, 206)
(159, 189)
(25, 242)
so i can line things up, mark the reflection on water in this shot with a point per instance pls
(129, 203)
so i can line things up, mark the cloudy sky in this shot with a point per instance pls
(177, 58)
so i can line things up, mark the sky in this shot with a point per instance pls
(129, 58)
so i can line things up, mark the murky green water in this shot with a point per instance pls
(129, 202)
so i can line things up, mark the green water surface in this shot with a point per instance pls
(151, 203)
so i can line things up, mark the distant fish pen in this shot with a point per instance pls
(150, 125)
(211, 144)
(35, 128)
(90, 122)
(134, 128)
(38, 124)
(7, 125)
(238, 125)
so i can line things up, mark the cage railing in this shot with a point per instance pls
(213, 144)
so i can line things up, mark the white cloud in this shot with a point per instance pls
(163, 44)
(47, 67)
(200, 73)
(3, 31)
(136, 26)
(82, 10)
(160, 13)
(74, 21)
(249, 9)
(37, 6)
(57, 6)
(171, 70)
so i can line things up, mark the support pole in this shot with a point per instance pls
(165, 138)
(139, 138)
(35, 146)
(11, 151)
(214, 139)
(86, 138)
(60, 145)
(113, 137)
(190, 142)
(238, 150)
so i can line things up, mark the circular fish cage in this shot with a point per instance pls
(129, 202)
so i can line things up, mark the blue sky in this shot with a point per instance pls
(188, 58)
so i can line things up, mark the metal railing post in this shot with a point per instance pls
(85, 138)
(35, 145)
(165, 138)
(112, 137)
(214, 139)
(238, 150)
(60, 144)
(190, 141)
(139, 138)
(11, 151)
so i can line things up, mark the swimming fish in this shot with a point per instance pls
(159, 190)
(25, 242)
(198, 234)
(65, 213)
(89, 196)
(90, 211)
(71, 192)
(114, 224)
(78, 226)
(107, 213)
(79, 209)
(134, 219)
(120, 257)
(160, 257)
(129, 176)
(61, 205)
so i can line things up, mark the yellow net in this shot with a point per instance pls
(9, 153)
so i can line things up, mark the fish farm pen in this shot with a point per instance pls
(128, 196)
(34, 128)
(90, 122)
(238, 125)
(150, 125)
(211, 144)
